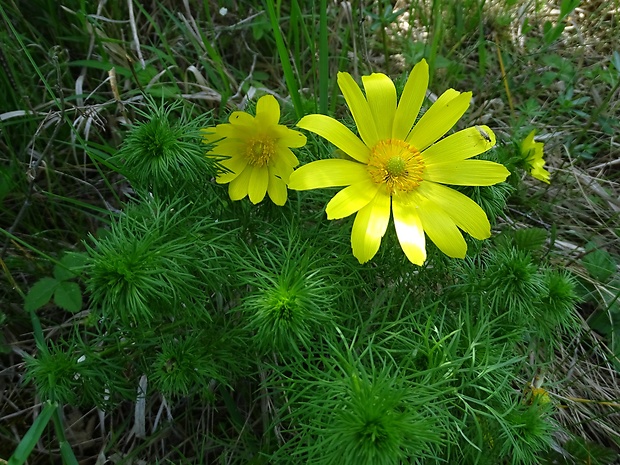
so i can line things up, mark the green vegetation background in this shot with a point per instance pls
(452, 350)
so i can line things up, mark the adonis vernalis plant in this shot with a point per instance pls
(163, 154)
(400, 165)
(249, 306)
(533, 153)
(255, 152)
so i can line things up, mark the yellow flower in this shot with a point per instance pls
(540, 394)
(400, 167)
(256, 151)
(532, 153)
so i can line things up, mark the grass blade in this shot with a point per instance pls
(291, 83)
(32, 436)
(323, 59)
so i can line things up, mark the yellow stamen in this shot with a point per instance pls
(396, 164)
(260, 150)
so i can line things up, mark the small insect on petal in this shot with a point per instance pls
(484, 134)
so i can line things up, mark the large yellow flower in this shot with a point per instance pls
(401, 167)
(533, 153)
(256, 153)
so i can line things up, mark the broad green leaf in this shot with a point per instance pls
(599, 263)
(30, 439)
(616, 60)
(40, 293)
(68, 296)
(68, 457)
(567, 7)
(547, 27)
(601, 321)
(70, 264)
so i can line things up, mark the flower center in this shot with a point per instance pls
(396, 164)
(260, 150)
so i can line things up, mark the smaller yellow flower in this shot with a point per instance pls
(256, 152)
(541, 395)
(532, 153)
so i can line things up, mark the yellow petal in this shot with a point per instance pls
(241, 118)
(410, 101)
(210, 135)
(228, 131)
(338, 134)
(381, 96)
(533, 153)
(528, 142)
(442, 230)
(257, 186)
(541, 174)
(466, 173)
(238, 187)
(267, 111)
(351, 199)
(409, 230)
(282, 165)
(369, 227)
(327, 173)
(439, 118)
(289, 138)
(360, 109)
(228, 148)
(287, 156)
(464, 211)
(460, 145)
(277, 190)
(235, 166)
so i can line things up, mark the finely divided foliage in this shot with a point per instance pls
(196, 205)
